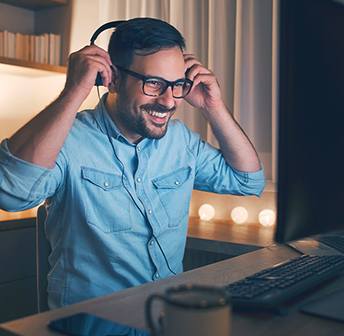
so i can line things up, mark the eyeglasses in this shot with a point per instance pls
(156, 86)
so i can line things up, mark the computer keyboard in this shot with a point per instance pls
(276, 285)
(336, 242)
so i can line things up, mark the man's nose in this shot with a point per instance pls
(166, 99)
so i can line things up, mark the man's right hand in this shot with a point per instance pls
(83, 67)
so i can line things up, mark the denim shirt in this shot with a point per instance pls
(117, 212)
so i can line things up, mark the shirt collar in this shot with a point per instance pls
(106, 123)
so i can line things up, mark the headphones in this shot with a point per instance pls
(111, 24)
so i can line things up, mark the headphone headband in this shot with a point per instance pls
(111, 24)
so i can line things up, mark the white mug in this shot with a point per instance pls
(192, 310)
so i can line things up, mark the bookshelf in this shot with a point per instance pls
(35, 4)
(18, 67)
(49, 16)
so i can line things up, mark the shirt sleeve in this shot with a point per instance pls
(213, 174)
(24, 185)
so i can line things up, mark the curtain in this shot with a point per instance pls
(255, 90)
(233, 38)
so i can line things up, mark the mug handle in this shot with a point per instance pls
(148, 312)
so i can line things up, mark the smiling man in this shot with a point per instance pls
(117, 180)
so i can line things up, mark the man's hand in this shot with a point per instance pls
(205, 93)
(83, 67)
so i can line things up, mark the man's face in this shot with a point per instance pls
(140, 116)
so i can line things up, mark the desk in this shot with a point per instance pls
(127, 306)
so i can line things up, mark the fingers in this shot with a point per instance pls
(197, 72)
(103, 60)
(205, 92)
(85, 64)
(95, 50)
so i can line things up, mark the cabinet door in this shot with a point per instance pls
(18, 273)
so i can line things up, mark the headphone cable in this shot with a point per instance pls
(132, 198)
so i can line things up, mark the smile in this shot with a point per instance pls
(157, 114)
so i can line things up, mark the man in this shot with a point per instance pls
(118, 179)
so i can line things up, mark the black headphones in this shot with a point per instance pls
(111, 24)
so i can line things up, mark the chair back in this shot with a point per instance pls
(43, 250)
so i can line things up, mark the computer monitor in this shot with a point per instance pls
(311, 119)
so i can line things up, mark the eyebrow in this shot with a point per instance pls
(157, 77)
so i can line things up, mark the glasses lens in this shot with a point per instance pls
(181, 89)
(154, 86)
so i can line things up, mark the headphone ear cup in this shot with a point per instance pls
(111, 24)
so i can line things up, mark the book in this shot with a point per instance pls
(10, 48)
(44, 48)
(31, 48)
(19, 48)
(1, 43)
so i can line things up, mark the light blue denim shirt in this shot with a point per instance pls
(117, 213)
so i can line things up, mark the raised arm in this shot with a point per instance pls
(236, 148)
(41, 139)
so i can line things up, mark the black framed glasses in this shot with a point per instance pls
(156, 86)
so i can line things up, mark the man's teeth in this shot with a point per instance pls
(157, 114)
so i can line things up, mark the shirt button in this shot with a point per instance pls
(106, 184)
(176, 183)
(138, 180)
(156, 275)
(150, 211)
(138, 148)
(152, 242)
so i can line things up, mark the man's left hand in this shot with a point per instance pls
(205, 93)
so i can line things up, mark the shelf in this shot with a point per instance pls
(35, 4)
(29, 69)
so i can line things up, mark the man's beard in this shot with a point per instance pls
(133, 119)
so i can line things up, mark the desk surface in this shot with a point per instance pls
(127, 306)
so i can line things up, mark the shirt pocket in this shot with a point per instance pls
(174, 190)
(107, 203)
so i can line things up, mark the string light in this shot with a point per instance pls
(267, 217)
(206, 212)
(239, 215)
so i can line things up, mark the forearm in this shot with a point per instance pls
(41, 139)
(205, 94)
(236, 148)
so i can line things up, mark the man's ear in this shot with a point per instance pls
(113, 86)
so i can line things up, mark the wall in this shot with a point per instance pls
(23, 97)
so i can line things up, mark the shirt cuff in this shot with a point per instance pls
(251, 183)
(18, 177)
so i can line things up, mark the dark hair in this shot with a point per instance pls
(142, 36)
